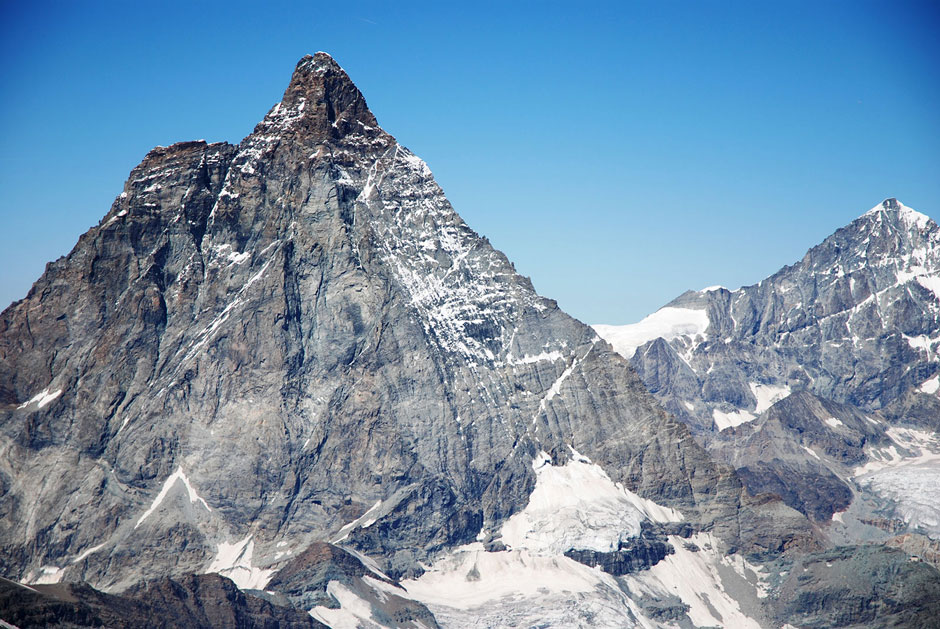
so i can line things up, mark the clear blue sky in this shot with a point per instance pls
(618, 153)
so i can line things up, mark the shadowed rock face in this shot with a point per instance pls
(858, 587)
(191, 601)
(260, 343)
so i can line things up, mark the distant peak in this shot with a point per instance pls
(899, 212)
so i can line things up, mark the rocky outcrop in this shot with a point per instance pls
(803, 449)
(868, 586)
(188, 601)
(314, 579)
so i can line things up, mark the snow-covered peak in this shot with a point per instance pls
(910, 217)
(668, 322)
(320, 62)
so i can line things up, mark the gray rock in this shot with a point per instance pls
(259, 345)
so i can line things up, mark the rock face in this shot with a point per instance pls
(828, 590)
(193, 601)
(291, 363)
(297, 340)
(856, 321)
(819, 384)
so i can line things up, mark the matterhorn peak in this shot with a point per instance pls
(322, 93)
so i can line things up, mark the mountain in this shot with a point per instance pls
(819, 383)
(290, 363)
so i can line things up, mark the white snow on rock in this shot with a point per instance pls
(178, 475)
(910, 217)
(667, 323)
(42, 398)
(516, 574)
(918, 447)
(930, 386)
(88, 552)
(908, 474)
(577, 506)
(48, 575)
(811, 452)
(931, 283)
(470, 587)
(725, 420)
(431, 251)
(474, 588)
(694, 577)
(235, 562)
(352, 613)
(767, 395)
(527, 359)
(366, 520)
(832, 422)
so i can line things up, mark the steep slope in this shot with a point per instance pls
(819, 383)
(856, 321)
(296, 340)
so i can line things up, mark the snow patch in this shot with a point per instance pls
(729, 420)
(930, 386)
(352, 611)
(833, 422)
(931, 283)
(694, 578)
(88, 552)
(365, 520)
(577, 506)
(542, 357)
(555, 389)
(667, 323)
(235, 562)
(767, 395)
(178, 475)
(811, 452)
(48, 575)
(42, 398)
(516, 574)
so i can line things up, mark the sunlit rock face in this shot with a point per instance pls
(290, 363)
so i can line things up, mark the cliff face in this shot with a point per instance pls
(266, 341)
(291, 363)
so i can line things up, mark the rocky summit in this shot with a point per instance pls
(284, 384)
(820, 383)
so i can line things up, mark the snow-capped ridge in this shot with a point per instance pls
(909, 216)
(669, 322)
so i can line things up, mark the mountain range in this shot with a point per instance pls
(291, 364)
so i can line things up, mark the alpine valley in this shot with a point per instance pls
(283, 384)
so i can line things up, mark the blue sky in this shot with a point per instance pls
(618, 153)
